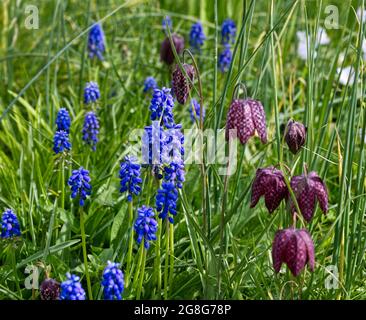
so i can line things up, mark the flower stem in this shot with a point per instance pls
(13, 260)
(166, 269)
(82, 229)
(139, 288)
(130, 243)
(138, 267)
(157, 262)
(171, 253)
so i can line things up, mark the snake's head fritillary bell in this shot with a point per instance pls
(270, 183)
(295, 136)
(181, 85)
(308, 189)
(247, 117)
(295, 248)
(166, 52)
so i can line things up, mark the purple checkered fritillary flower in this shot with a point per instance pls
(166, 52)
(270, 183)
(180, 84)
(309, 189)
(295, 136)
(246, 116)
(295, 248)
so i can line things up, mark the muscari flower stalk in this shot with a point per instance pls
(96, 43)
(196, 37)
(91, 129)
(50, 289)
(91, 92)
(80, 185)
(63, 121)
(150, 84)
(309, 189)
(167, 23)
(71, 288)
(61, 142)
(145, 226)
(295, 136)
(270, 183)
(113, 281)
(161, 107)
(295, 248)
(195, 110)
(225, 59)
(246, 116)
(130, 177)
(180, 84)
(10, 227)
(228, 32)
(166, 52)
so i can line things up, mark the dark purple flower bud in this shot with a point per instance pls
(295, 248)
(308, 188)
(50, 289)
(246, 116)
(181, 85)
(270, 183)
(166, 52)
(295, 136)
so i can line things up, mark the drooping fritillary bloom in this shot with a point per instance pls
(295, 136)
(270, 183)
(181, 85)
(295, 248)
(49, 289)
(309, 189)
(247, 117)
(166, 52)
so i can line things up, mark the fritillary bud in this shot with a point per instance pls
(295, 136)
(166, 52)
(181, 85)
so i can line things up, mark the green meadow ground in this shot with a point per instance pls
(45, 69)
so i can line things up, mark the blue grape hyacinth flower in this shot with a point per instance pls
(113, 281)
(161, 107)
(145, 226)
(195, 111)
(225, 59)
(71, 288)
(228, 32)
(150, 84)
(96, 45)
(63, 121)
(175, 173)
(167, 23)
(152, 144)
(80, 184)
(196, 37)
(130, 177)
(166, 201)
(9, 225)
(91, 129)
(91, 92)
(61, 142)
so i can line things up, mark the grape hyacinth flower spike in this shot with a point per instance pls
(150, 84)
(225, 59)
(295, 136)
(228, 32)
(145, 226)
(10, 227)
(167, 23)
(181, 85)
(80, 185)
(130, 177)
(166, 52)
(91, 129)
(195, 110)
(295, 248)
(71, 288)
(63, 121)
(196, 37)
(49, 289)
(161, 107)
(308, 189)
(270, 183)
(61, 142)
(166, 201)
(96, 45)
(113, 281)
(246, 116)
(91, 92)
